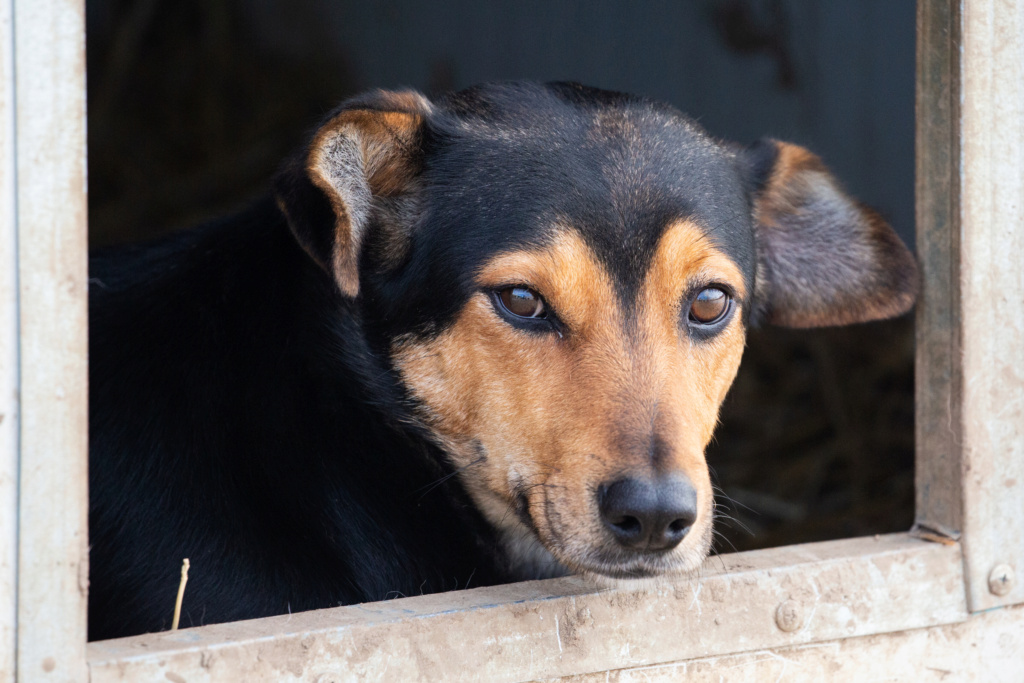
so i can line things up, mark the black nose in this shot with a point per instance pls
(646, 514)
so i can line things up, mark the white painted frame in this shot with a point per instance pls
(43, 342)
(933, 599)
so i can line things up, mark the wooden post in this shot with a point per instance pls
(50, 233)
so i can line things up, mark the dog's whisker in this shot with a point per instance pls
(736, 523)
(430, 487)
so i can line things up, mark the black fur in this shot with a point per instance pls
(240, 419)
(615, 167)
(245, 413)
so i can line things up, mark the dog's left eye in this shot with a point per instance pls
(523, 302)
(709, 306)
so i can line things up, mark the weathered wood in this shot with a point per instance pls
(49, 65)
(986, 648)
(938, 369)
(8, 356)
(992, 296)
(565, 626)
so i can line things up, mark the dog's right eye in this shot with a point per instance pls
(523, 302)
(709, 306)
(525, 309)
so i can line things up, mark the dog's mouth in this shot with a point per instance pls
(633, 565)
(521, 505)
(603, 558)
(623, 570)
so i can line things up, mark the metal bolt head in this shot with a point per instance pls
(1001, 579)
(789, 616)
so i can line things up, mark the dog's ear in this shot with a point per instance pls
(366, 157)
(823, 258)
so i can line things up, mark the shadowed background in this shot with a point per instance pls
(193, 103)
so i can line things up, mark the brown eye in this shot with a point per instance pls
(523, 302)
(709, 306)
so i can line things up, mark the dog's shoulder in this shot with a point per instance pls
(227, 425)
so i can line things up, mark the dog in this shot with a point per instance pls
(466, 341)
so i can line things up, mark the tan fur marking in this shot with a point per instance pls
(357, 156)
(557, 417)
(693, 377)
(787, 186)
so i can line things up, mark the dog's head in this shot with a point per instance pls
(563, 278)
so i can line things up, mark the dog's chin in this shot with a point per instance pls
(605, 562)
(629, 583)
(608, 564)
(638, 571)
(532, 557)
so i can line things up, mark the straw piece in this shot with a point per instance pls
(181, 594)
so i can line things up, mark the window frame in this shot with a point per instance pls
(951, 574)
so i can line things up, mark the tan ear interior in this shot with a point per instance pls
(360, 155)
